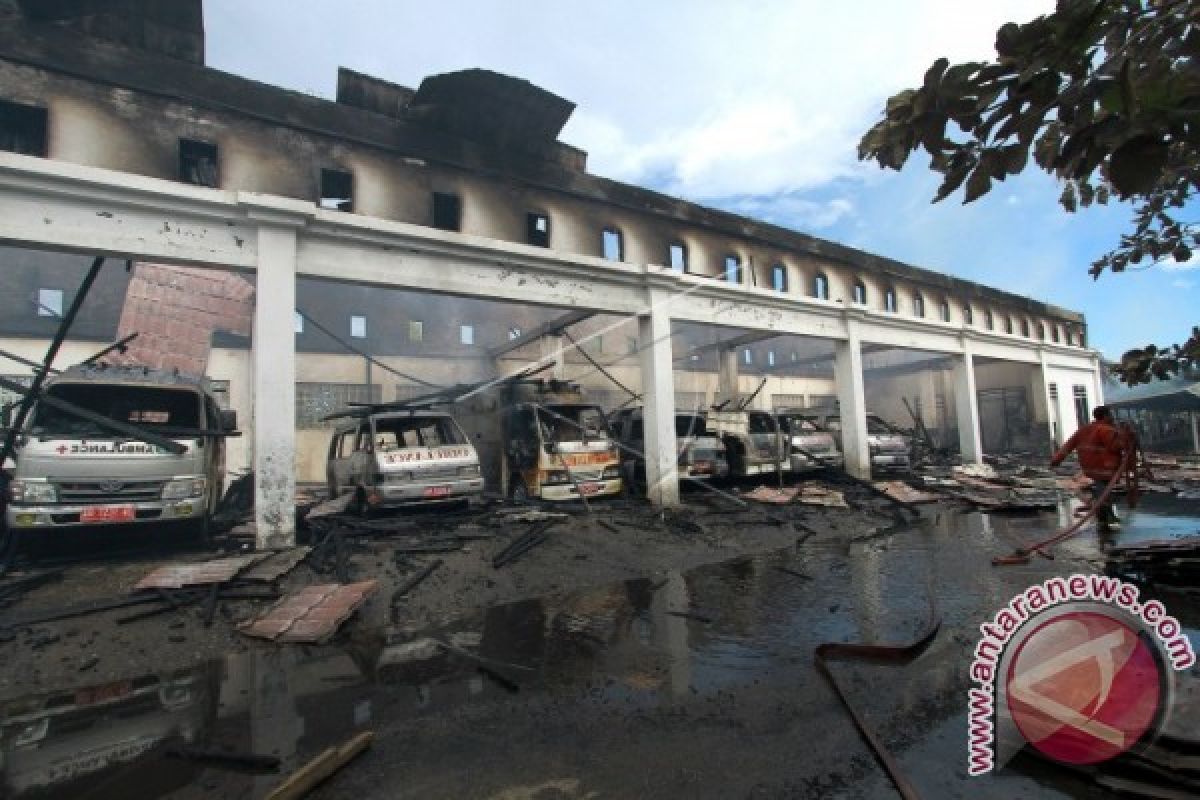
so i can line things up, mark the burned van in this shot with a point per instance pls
(402, 457)
(544, 439)
(72, 469)
(754, 442)
(700, 452)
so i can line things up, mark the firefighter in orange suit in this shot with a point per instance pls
(1101, 448)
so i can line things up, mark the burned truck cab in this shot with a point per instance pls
(545, 440)
(71, 470)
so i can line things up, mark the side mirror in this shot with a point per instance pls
(228, 420)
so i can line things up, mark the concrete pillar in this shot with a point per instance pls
(727, 376)
(658, 383)
(275, 388)
(1195, 415)
(552, 351)
(1098, 382)
(852, 402)
(966, 403)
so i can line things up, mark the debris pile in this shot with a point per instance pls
(1173, 563)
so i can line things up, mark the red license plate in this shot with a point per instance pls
(437, 491)
(589, 488)
(107, 514)
(98, 694)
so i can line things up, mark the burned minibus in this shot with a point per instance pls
(542, 439)
(120, 445)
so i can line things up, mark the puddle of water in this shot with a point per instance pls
(742, 626)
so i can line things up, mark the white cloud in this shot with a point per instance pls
(1171, 265)
(1180, 283)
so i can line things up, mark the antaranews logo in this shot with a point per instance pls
(1075, 666)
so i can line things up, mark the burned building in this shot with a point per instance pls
(276, 238)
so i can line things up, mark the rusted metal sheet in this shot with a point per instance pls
(312, 614)
(899, 490)
(219, 570)
(275, 565)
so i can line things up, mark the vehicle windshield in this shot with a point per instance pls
(690, 425)
(397, 433)
(572, 423)
(876, 425)
(158, 409)
(797, 425)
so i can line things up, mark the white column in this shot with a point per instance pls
(727, 376)
(1098, 380)
(852, 402)
(275, 388)
(552, 351)
(658, 383)
(966, 403)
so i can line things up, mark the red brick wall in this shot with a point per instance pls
(174, 311)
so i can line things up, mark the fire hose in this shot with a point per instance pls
(897, 653)
(1132, 464)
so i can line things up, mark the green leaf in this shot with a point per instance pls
(1067, 199)
(979, 184)
(933, 75)
(1136, 166)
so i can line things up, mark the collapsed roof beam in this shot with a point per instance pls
(550, 328)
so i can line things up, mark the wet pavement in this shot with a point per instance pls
(698, 683)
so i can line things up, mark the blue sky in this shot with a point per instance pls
(755, 107)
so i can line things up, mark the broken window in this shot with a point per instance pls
(989, 321)
(298, 322)
(447, 211)
(889, 300)
(398, 433)
(820, 286)
(611, 245)
(779, 278)
(22, 129)
(358, 327)
(416, 330)
(158, 409)
(466, 334)
(733, 269)
(860, 293)
(944, 311)
(918, 305)
(50, 302)
(537, 229)
(968, 315)
(317, 400)
(1081, 404)
(677, 257)
(198, 162)
(337, 190)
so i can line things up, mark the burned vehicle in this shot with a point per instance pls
(391, 456)
(701, 453)
(754, 442)
(889, 447)
(543, 439)
(71, 468)
(810, 447)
